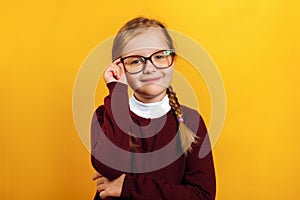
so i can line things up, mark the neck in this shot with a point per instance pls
(150, 99)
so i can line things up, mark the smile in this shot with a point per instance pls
(151, 79)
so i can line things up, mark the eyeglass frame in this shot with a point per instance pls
(172, 53)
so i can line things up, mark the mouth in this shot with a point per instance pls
(153, 79)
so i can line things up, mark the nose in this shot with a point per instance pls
(149, 67)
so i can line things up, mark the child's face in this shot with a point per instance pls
(150, 84)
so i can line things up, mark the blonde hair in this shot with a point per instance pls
(133, 28)
(125, 34)
(187, 137)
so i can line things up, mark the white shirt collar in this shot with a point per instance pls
(149, 110)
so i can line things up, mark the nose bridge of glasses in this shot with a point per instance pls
(146, 58)
(149, 65)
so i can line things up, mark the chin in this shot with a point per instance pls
(151, 90)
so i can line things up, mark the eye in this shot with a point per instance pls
(134, 62)
(159, 57)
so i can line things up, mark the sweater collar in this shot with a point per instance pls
(149, 110)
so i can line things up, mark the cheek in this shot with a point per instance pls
(169, 75)
(132, 81)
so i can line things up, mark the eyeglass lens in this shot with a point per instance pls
(160, 59)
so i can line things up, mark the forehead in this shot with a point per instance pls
(148, 38)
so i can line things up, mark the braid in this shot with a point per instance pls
(187, 137)
(132, 145)
(174, 103)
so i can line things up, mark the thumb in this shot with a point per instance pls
(103, 194)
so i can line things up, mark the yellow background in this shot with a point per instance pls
(255, 45)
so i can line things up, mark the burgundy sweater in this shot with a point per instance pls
(165, 174)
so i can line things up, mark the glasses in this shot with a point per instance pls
(160, 60)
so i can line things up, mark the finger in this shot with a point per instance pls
(112, 71)
(96, 176)
(117, 61)
(101, 180)
(100, 188)
(103, 194)
(117, 71)
(121, 68)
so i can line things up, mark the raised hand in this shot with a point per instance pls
(115, 72)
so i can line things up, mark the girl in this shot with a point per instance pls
(150, 121)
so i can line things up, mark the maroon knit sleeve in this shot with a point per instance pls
(104, 127)
(198, 182)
